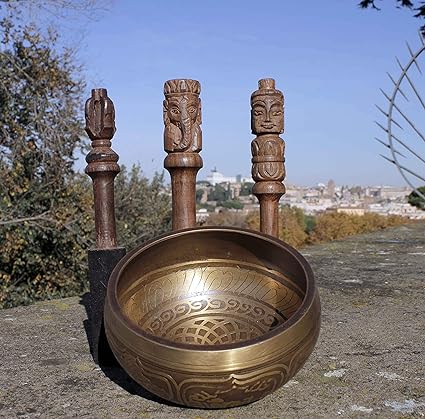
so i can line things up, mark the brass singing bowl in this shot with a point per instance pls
(212, 317)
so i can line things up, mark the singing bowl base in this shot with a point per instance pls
(212, 317)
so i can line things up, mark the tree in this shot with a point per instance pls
(142, 206)
(246, 188)
(59, 9)
(310, 223)
(418, 7)
(199, 195)
(415, 200)
(46, 207)
(219, 193)
(231, 204)
(291, 225)
(42, 236)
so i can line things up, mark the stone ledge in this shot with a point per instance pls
(368, 361)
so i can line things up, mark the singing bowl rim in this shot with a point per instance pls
(116, 308)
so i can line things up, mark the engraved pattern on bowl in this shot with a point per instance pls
(212, 303)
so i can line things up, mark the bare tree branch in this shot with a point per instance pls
(27, 219)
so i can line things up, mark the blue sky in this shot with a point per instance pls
(328, 57)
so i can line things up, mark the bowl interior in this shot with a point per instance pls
(211, 287)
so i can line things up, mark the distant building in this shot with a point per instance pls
(392, 193)
(215, 177)
(202, 215)
(312, 206)
(388, 192)
(330, 189)
(351, 210)
(397, 208)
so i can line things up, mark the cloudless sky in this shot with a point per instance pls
(328, 57)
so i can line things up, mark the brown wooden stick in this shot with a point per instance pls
(102, 165)
(268, 149)
(183, 142)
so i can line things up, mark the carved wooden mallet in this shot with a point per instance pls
(183, 142)
(102, 167)
(268, 149)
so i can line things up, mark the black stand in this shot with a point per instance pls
(101, 263)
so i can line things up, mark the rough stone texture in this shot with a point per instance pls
(369, 360)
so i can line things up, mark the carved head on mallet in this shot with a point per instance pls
(182, 116)
(267, 109)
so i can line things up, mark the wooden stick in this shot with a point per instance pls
(102, 165)
(268, 149)
(183, 142)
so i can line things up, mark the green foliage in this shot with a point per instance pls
(298, 229)
(246, 188)
(291, 225)
(310, 223)
(233, 204)
(208, 207)
(416, 200)
(199, 195)
(46, 208)
(332, 226)
(46, 257)
(143, 209)
(219, 193)
(41, 234)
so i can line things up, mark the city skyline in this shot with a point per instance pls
(231, 193)
(204, 174)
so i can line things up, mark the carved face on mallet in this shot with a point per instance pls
(182, 116)
(267, 109)
(183, 110)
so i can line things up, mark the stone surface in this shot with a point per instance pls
(369, 361)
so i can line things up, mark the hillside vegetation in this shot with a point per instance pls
(298, 229)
